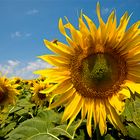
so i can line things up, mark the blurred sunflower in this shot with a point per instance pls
(7, 92)
(96, 70)
(16, 80)
(39, 97)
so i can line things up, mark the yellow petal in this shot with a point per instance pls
(134, 58)
(52, 72)
(111, 28)
(70, 108)
(125, 93)
(91, 26)
(133, 77)
(122, 26)
(61, 27)
(116, 103)
(76, 35)
(57, 79)
(50, 89)
(102, 122)
(102, 27)
(55, 60)
(62, 30)
(58, 49)
(63, 99)
(83, 112)
(67, 49)
(102, 24)
(96, 112)
(83, 28)
(134, 87)
(89, 117)
(84, 109)
(115, 118)
(75, 112)
(63, 87)
(130, 34)
(129, 45)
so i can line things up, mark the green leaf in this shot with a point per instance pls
(60, 130)
(7, 129)
(81, 136)
(136, 118)
(41, 127)
(132, 110)
(133, 131)
(136, 114)
(129, 109)
(109, 137)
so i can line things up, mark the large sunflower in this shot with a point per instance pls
(96, 70)
(7, 92)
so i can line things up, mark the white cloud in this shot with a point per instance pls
(32, 12)
(28, 34)
(9, 67)
(18, 34)
(13, 63)
(16, 68)
(104, 10)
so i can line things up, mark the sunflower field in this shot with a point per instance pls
(91, 92)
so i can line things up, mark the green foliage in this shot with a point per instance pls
(131, 116)
(41, 127)
(109, 137)
(18, 113)
(133, 131)
(27, 121)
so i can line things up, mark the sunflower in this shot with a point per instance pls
(96, 70)
(39, 97)
(7, 92)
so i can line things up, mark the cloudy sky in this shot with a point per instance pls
(24, 24)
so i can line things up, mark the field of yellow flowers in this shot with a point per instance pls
(25, 116)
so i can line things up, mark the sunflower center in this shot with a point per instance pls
(41, 96)
(96, 69)
(99, 70)
(99, 74)
(2, 95)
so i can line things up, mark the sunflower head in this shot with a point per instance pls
(39, 97)
(16, 80)
(7, 92)
(95, 70)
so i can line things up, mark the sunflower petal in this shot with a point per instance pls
(75, 113)
(89, 117)
(71, 107)
(63, 87)
(116, 103)
(96, 112)
(52, 72)
(91, 26)
(63, 99)
(134, 87)
(115, 118)
(102, 122)
(133, 77)
(76, 35)
(58, 49)
(55, 60)
(122, 26)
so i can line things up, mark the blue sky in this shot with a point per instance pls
(25, 23)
